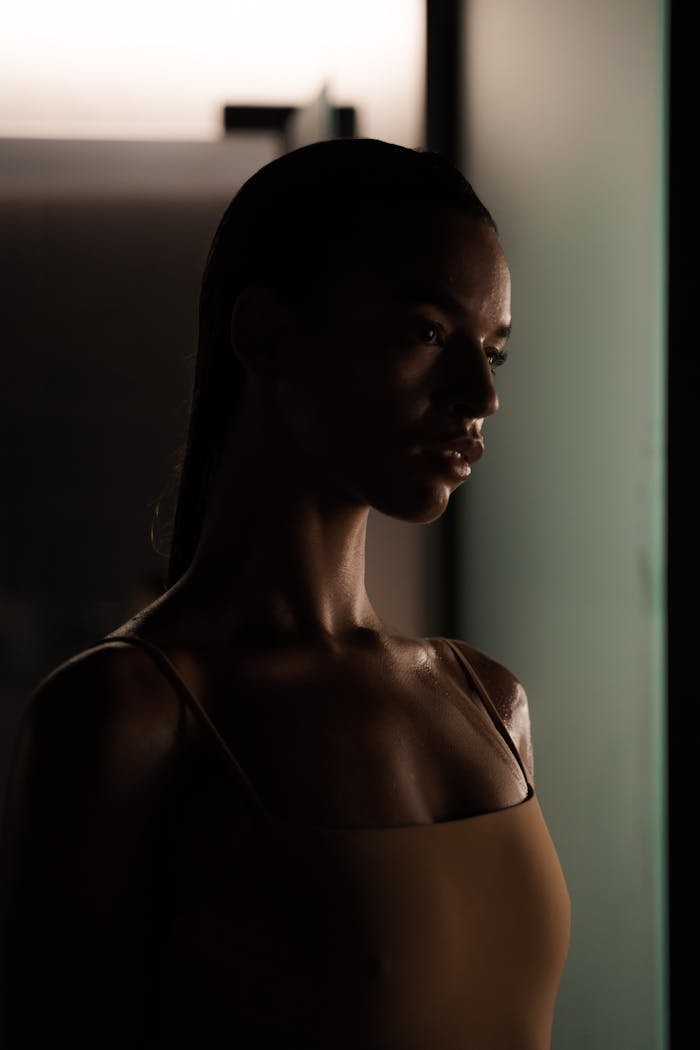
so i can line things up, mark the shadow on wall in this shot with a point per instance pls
(100, 330)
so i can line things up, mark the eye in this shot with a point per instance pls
(430, 332)
(496, 358)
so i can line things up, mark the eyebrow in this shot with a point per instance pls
(443, 300)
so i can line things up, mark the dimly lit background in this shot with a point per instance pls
(114, 170)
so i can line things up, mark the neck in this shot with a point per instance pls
(281, 555)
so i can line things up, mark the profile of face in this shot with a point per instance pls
(392, 361)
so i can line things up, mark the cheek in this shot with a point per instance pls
(356, 396)
(345, 412)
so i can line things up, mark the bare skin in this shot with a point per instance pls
(343, 397)
(336, 717)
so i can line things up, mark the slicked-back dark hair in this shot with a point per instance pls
(294, 222)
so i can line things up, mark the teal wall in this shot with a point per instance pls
(562, 574)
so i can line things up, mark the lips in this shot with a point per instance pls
(470, 449)
(454, 465)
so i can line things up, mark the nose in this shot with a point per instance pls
(470, 386)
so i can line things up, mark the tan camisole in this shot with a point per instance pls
(443, 936)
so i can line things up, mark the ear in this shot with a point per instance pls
(261, 330)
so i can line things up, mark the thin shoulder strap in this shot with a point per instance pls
(182, 689)
(490, 707)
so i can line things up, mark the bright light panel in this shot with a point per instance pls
(164, 70)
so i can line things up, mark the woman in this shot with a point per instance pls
(256, 815)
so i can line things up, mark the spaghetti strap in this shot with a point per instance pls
(491, 708)
(176, 680)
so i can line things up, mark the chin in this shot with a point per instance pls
(421, 505)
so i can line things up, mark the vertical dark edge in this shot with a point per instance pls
(442, 80)
(683, 591)
(443, 135)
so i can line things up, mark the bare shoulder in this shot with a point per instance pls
(79, 859)
(509, 698)
(100, 722)
(115, 687)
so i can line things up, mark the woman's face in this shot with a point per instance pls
(396, 359)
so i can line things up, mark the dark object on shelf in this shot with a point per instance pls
(274, 118)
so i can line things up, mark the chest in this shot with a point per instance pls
(339, 750)
(260, 924)
(370, 937)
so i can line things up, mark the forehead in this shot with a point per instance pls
(440, 250)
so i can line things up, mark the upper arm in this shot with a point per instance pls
(89, 767)
(509, 698)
